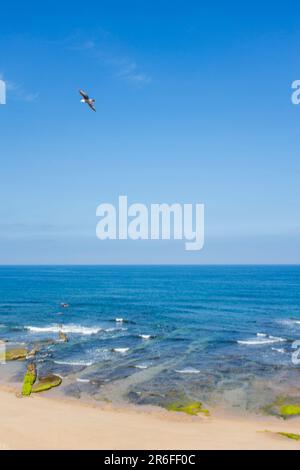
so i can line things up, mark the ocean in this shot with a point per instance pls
(150, 335)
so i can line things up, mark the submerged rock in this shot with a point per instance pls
(43, 343)
(284, 407)
(73, 390)
(29, 380)
(190, 408)
(46, 383)
(16, 354)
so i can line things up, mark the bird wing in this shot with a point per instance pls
(92, 106)
(84, 95)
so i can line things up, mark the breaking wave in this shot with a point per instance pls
(75, 329)
(188, 370)
(260, 340)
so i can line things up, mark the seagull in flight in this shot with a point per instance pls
(86, 99)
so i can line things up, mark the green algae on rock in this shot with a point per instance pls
(16, 354)
(190, 408)
(29, 380)
(46, 383)
(289, 435)
(284, 407)
(289, 410)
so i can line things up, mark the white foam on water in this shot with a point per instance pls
(112, 330)
(74, 363)
(288, 322)
(261, 341)
(261, 335)
(75, 329)
(188, 370)
(141, 366)
(119, 320)
(279, 350)
(145, 337)
(121, 350)
(42, 357)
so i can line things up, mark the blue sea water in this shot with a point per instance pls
(220, 334)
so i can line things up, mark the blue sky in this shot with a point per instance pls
(193, 105)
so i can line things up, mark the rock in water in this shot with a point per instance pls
(16, 354)
(46, 383)
(32, 353)
(190, 408)
(284, 407)
(29, 380)
(63, 337)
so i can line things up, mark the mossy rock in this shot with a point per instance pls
(29, 380)
(289, 410)
(284, 407)
(46, 383)
(190, 408)
(289, 435)
(16, 354)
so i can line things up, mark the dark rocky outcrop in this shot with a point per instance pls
(63, 337)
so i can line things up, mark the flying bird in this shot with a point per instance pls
(86, 99)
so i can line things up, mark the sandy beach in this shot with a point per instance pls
(49, 423)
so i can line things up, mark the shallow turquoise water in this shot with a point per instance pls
(219, 334)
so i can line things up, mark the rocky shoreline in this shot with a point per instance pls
(284, 407)
(33, 382)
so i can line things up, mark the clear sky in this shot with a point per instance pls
(193, 105)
